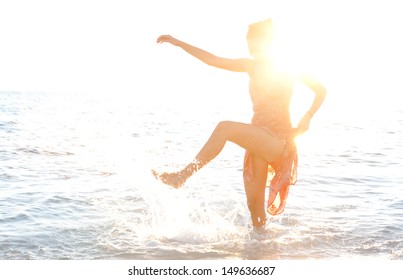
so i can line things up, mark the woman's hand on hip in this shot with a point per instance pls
(304, 123)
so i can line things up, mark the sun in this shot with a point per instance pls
(295, 52)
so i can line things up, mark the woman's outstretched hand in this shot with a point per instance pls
(167, 39)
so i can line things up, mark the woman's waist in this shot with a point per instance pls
(279, 127)
(281, 123)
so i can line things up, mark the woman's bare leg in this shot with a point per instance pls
(248, 136)
(255, 191)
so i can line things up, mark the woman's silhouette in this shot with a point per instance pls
(269, 139)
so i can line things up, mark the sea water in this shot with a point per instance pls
(75, 182)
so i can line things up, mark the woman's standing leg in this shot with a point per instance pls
(255, 191)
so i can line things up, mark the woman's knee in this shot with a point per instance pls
(223, 129)
(224, 125)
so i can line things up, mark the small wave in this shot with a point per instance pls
(39, 151)
(16, 218)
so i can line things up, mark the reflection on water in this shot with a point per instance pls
(75, 184)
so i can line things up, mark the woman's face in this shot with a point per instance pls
(259, 40)
(255, 47)
(258, 46)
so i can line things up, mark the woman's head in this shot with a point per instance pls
(260, 36)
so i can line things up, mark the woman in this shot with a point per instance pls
(269, 139)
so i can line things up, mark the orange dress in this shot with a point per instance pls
(271, 102)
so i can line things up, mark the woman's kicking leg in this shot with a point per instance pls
(248, 136)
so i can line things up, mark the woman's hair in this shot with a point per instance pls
(261, 30)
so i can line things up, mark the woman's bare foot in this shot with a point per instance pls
(174, 179)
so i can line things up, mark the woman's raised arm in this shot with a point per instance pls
(236, 65)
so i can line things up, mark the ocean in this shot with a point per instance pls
(75, 182)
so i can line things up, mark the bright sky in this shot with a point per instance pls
(109, 46)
